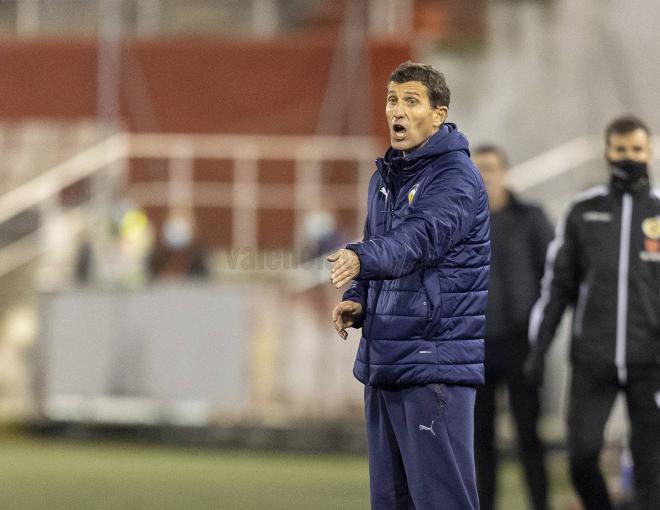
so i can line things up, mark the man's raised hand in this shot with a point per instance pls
(345, 267)
(345, 315)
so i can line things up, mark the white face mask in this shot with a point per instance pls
(177, 232)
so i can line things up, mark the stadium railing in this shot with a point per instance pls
(110, 158)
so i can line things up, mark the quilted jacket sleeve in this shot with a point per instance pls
(560, 284)
(359, 288)
(358, 291)
(441, 216)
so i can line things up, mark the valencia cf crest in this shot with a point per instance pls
(651, 229)
(412, 193)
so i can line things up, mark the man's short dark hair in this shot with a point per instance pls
(489, 148)
(623, 126)
(429, 76)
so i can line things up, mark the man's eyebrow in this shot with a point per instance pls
(405, 92)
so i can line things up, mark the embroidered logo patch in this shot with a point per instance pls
(428, 429)
(649, 256)
(651, 229)
(597, 216)
(412, 193)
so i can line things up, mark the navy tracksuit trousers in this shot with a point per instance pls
(421, 447)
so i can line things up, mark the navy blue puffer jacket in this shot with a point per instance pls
(424, 267)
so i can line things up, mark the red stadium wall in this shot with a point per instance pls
(202, 86)
(198, 85)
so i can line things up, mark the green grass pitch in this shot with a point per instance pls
(44, 474)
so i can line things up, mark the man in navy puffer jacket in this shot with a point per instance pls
(419, 291)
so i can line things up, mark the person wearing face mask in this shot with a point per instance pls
(180, 254)
(322, 235)
(605, 263)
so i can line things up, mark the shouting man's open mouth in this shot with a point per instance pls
(399, 131)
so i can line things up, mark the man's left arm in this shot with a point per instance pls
(442, 215)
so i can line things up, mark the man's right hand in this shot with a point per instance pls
(534, 367)
(345, 315)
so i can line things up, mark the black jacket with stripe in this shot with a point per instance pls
(605, 262)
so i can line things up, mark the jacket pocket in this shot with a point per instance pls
(426, 301)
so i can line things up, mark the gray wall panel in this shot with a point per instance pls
(168, 344)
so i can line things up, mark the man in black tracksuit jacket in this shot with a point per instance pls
(520, 234)
(605, 261)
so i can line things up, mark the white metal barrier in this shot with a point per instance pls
(111, 157)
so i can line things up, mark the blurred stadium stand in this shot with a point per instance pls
(254, 114)
(125, 68)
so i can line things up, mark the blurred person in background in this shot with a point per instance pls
(520, 234)
(605, 261)
(322, 235)
(117, 256)
(180, 254)
(419, 291)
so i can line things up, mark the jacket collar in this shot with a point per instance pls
(396, 169)
(640, 188)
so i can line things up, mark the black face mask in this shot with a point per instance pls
(629, 175)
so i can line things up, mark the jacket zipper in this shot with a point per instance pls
(391, 204)
(622, 288)
(389, 211)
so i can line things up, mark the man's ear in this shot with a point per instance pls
(439, 115)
